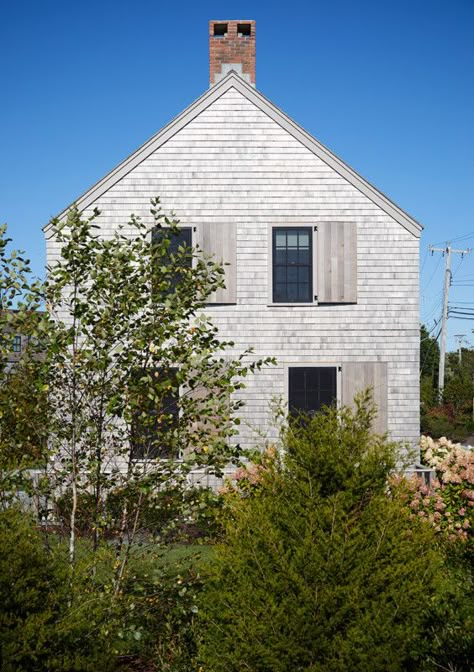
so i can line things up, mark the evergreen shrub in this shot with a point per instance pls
(321, 568)
(47, 624)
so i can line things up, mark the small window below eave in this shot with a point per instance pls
(220, 29)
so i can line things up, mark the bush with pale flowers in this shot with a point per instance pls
(448, 502)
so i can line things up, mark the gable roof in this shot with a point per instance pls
(233, 80)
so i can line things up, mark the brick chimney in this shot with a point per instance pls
(232, 47)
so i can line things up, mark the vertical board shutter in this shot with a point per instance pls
(357, 377)
(337, 262)
(218, 240)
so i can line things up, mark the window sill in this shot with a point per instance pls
(292, 305)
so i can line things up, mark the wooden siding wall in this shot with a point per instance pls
(234, 167)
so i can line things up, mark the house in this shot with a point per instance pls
(323, 268)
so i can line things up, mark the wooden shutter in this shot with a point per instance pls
(218, 239)
(357, 377)
(337, 262)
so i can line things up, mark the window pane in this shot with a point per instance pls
(292, 256)
(303, 240)
(304, 293)
(303, 274)
(279, 275)
(292, 274)
(292, 265)
(280, 256)
(281, 240)
(304, 257)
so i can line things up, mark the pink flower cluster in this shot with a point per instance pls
(448, 503)
(248, 477)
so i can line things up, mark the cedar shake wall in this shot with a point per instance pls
(234, 165)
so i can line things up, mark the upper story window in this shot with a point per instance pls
(313, 264)
(292, 265)
(181, 238)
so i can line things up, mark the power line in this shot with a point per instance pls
(465, 236)
(424, 260)
(446, 251)
(434, 272)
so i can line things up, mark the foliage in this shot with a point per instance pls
(321, 567)
(164, 596)
(134, 340)
(24, 408)
(429, 355)
(452, 415)
(39, 629)
(168, 516)
(459, 391)
(125, 388)
(448, 502)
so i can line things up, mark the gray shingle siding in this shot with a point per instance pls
(233, 164)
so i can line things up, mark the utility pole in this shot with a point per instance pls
(448, 251)
(460, 340)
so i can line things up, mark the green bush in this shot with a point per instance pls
(47, 624)
(321, 568)
(171, 514)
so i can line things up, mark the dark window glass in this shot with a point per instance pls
(181, 238)
(17, 344)
(311, 388)
(152, 438)
(292, 265)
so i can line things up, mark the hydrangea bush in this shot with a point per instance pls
(448, 502)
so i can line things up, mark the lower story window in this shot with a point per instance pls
(154, 423)
(311, 388)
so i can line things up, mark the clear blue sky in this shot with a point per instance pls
(387, 85)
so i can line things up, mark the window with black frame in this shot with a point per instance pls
(311, 388)
(16, 347)
(292, 264)
(179, 238)
(155, 420)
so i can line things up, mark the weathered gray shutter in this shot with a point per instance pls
(357, 377)
(218, 239)
(336, 263)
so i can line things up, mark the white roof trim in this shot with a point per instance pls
(232, 80)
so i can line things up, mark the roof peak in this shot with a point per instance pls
(234, 80)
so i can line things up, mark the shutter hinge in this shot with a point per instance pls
(339, 368)
(194, 229)
(315, 228)
(315, 297)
